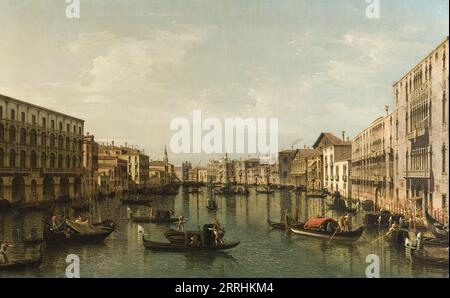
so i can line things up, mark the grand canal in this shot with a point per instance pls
(263, 252)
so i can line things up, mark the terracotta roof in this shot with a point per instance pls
(308, 153)
(331, 138)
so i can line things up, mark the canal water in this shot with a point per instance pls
(263, 251)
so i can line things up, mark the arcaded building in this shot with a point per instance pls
(40, 153)
(372, 163)
(421, 134)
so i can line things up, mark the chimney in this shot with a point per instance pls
(113, 143)
(386, 108)
(343, 136)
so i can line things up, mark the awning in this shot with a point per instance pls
(318, 222)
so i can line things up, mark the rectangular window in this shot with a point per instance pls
(44, 122)
(22, 116)
(60, 126)
(52, 124)
(13, 115)
(33, 119)
(68, 127)
(1, 112)
(79, 130)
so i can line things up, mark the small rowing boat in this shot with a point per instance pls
(422, 258)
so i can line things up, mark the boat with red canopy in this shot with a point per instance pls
(326, 228)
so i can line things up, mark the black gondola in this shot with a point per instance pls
(162, 246)
(398, 236)
(422, 258)
(435, 227)
(147, 219)
(179, 237)
(22, 264)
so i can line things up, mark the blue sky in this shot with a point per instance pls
(129, 67)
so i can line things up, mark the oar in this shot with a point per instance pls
(382, 236)
(335, 231)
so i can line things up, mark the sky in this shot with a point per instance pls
(130, 67)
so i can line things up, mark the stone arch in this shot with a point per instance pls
(18, 189)
(43, 139)
(48, 188)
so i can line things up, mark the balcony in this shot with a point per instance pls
(417, 174)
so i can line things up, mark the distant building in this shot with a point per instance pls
(285, 159)
(90, 165)
(137, 162)
(337, 167)
(117, 171)
(40, 153)
(372, 163)
(306, 169)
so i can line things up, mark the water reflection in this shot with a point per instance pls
(263, 252)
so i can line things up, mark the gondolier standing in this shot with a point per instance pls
(181, 223)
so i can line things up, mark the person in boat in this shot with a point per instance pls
(357, 206)
(217, 236)
(3, 254)
(342, 223)
(180, 223)
(216, 224)
(286, 218)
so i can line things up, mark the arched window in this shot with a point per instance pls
(2, 156)
(52, 141)
(12, 158)
(23, 136)
(43, 139)
(52, 161)
(12, 134)
(2, 133)
(33, 137)
(23, 159)
(74, 162)
(60, 142)
(43, 160)
(33, 159)
(67, 162)
(60, 161)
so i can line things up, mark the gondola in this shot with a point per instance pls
(147, 219)
(435, 227)
(316, 228)
(162, 246)
(179, 237)
(435, 242)
(22, 264)
(281, 225)
(70, 232)
(398, 236)
(136, 201)
(422, 258)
